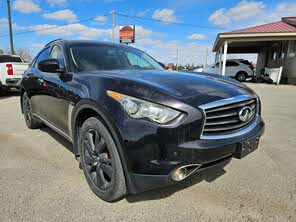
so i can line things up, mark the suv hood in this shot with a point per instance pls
(185, 86)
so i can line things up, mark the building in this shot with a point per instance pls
(275, 44)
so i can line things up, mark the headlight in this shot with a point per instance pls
(138, 108)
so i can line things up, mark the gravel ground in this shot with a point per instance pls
(40, 179)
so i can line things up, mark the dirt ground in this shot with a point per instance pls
(40, 179)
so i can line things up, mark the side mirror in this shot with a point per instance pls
(50, 65)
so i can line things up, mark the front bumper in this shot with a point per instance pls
(208, 153)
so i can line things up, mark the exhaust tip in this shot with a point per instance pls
(182, 172)
(179, 174)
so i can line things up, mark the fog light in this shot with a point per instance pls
(179, 174)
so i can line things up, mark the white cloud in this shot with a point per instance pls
(242, 11)
(196, 36)
(4, 25)
(26, 6)
(166, 15)
(165, 51)
(56, 2)
(101, 18)
(66, 15)
(144, 12)
(38, 45)
(77, 30)
(249, 13)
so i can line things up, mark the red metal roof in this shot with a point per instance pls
(285, 25)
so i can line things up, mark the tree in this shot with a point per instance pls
(1, 51)
(25, 53)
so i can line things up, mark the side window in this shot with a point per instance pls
(56, 53)
(137, 61)
(230, 63)
(42, 56)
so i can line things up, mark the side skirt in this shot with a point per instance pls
(55, 128)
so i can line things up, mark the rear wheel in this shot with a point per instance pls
(100, 161)
(241, 76)
(3, 91)
(30, 120)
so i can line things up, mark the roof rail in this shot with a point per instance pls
(53, 41)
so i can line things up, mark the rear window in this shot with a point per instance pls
(246, 62)
(4, 59)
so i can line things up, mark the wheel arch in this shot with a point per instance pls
(85, 109)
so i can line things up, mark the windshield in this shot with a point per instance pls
(92, 57)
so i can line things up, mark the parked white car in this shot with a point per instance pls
(12, 68)
(236, 68)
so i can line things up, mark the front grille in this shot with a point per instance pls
(222, 117)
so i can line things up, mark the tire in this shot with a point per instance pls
(100, 161)
(241, 76)
(31, 122)
(3, 91)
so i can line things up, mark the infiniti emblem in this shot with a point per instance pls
(245, 114)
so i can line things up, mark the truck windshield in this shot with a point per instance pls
(92, 57)
(4, 59)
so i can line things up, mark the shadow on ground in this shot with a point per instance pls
(208, 175)
(64, 142)
(9, 95)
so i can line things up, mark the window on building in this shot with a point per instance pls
(275, 52)
(291, 52)
(282, 50)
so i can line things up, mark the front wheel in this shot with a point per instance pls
(100, 161)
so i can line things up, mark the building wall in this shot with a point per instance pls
(289, 64)
(261, 60)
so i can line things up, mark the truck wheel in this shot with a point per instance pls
(3, 91)
(241, 76)
(31, 121)
(100, 161)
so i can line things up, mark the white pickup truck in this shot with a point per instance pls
(12, 68)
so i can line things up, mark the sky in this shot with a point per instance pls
(91, 19)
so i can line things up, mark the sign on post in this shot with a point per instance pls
(127, 34)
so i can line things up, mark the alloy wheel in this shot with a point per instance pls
(97, 159)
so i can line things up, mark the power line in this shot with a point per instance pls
(170, 22)
(53, 27)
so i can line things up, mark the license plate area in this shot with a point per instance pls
(246, 147)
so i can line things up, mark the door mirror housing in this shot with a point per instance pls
(50, 65)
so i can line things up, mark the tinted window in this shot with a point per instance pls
(231, 63)
(42, 56)
(90, 57)
(246, 62)
(56, 53)
(4, 59)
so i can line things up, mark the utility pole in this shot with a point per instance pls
(206, 58)
(177, 63)
(10, 28)
(113, 25)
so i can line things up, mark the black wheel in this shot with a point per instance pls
(241, 76)
(31, 121)
(100, 161)
(3, 91)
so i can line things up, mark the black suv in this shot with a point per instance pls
(133, 125)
